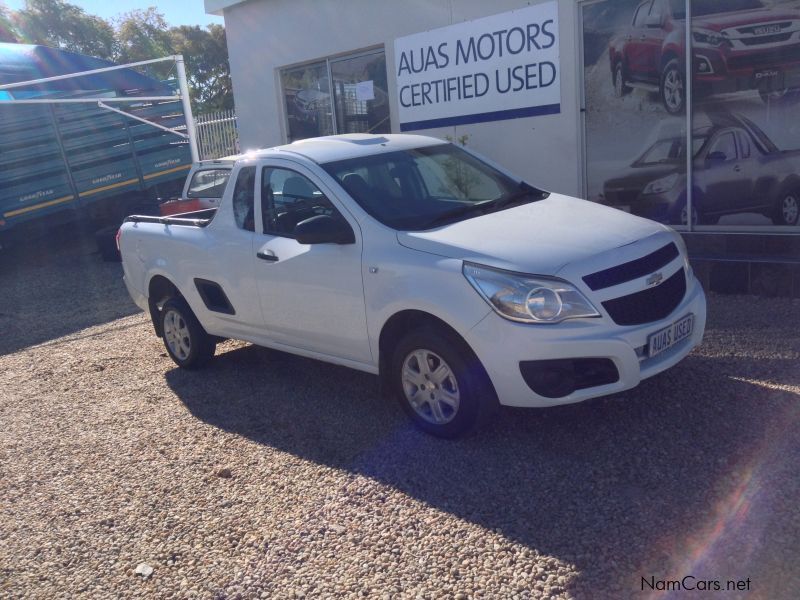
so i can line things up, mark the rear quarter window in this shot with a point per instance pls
(208, 183)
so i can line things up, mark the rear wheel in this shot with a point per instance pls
(187, 343)
(787, 209)
(440, 383)
(620, 89)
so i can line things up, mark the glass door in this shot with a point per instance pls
(360, 96)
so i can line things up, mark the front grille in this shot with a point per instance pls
(771, 59)
(766, 39)
(617, 197)
(632, 270)
(758, 30)
(649, 305)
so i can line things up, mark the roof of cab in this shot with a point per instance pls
(342, 147)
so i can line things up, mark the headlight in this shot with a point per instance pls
(707, 37)
(679, 241)
(659, 186)
(528, 298)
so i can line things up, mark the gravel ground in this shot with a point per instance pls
(268, 475)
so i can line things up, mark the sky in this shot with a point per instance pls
(176, 12)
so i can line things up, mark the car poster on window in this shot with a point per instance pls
(745, 105)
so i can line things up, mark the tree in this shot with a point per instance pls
(7, 33)
(62, 25)
(141, 35)
(206, 55)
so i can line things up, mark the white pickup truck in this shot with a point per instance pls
(461, 286)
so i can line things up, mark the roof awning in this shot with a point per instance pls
(23, 62)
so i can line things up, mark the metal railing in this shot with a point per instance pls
(217, 134)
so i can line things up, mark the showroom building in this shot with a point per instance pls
(587, 98)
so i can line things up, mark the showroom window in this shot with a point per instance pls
(743, 101)
(346, 94)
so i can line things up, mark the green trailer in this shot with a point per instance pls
(91, 155)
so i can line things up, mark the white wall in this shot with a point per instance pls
(266, 35)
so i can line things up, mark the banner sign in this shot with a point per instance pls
(499, 67)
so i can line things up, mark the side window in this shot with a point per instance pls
(287, 198)
(657, 10)
(641, 14)
(744, 144)
(724, 148)
(208, 183)
(244, 198)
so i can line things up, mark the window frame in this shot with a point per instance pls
(297, 169)
(256, 195)
(721, 136)
(328, 60)
(196, 173)
(646, 7)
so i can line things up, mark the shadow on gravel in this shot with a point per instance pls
(694, 463)
(56, 285)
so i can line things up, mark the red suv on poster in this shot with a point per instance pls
(737, 44)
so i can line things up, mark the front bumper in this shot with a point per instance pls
(502, 345)
(734, 70)
(664, 208)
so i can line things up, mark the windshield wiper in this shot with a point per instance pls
(461, 211)
(525, 190)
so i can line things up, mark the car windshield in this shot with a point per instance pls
(672, 150)
(701, 8)
(423, 188)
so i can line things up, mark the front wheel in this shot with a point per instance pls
(672, 88)
(187, 343)
(780, 97)
(441, 384)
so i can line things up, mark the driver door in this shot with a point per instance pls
(722, 179)
(312, 295)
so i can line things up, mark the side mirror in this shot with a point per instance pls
(324, 229)
(717, 156)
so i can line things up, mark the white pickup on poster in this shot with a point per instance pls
(504, 66)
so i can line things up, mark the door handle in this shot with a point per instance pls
(643, 37)
(737, 168)
(267, 255)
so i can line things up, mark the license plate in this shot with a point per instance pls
(767, 29)
(767, 75)
(666, 338)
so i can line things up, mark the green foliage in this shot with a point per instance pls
(63, 25)
(134, 36)
(7, 33)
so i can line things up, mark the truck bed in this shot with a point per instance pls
(199, 218)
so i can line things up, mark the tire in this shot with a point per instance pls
(620, 89)
(784, 97)
(187, 343)
(787, 208)
(106, 240)
(448, 405)
(672, 88)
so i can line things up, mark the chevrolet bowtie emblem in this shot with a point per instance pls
(654, 279)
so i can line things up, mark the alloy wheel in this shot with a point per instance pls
(673, 90)
(790, 209)
(430, 386)
(176, 334)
